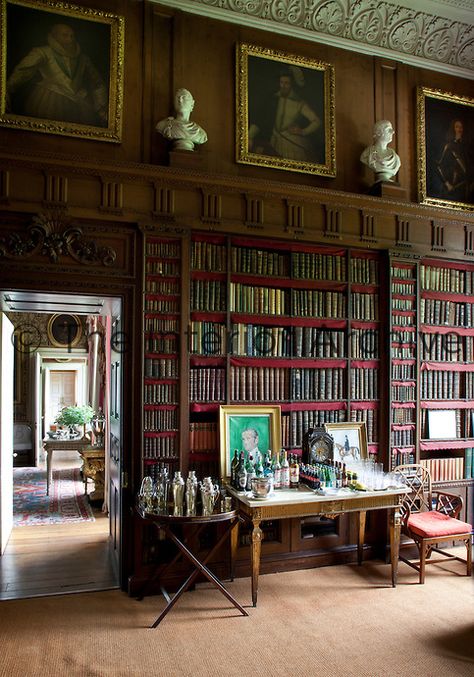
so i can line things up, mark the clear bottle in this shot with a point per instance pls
(276, 473)
(285, 471)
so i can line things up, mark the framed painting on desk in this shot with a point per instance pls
(249, 428)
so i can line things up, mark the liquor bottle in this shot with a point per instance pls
(233, 469)
(276, 473)
(258, 466)
(285, 471)
(267, 468)
(241, 473)
(294, 472)
(250, 472)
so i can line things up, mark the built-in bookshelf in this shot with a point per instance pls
(446, 339)
(161, 346)
(403, 351)
(284, 323)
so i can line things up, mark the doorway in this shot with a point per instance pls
(59, 558)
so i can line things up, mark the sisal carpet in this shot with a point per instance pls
(65, 504)
(341, 621)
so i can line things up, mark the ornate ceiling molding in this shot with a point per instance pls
(442, 41)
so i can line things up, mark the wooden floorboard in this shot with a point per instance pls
(58, 559)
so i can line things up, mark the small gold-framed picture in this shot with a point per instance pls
(445, 149)
(61, 69)
(285, 111)
(350, 440)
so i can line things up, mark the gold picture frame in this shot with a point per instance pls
(299, 136)
(235, 419)
(350, 440)
(445, 150)
(62, 69)
(64, 330)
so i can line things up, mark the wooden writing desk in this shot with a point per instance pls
(303, 502)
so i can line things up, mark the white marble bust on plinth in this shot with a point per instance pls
(179, 129)
(382, 160)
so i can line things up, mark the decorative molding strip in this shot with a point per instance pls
(112, 196)
(52, 235)
(387, 29)
(294, 216)
(469, 240)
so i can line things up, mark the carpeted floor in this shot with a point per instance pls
(65, 504)
(341, 621)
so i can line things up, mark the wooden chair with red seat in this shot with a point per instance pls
(431, 518)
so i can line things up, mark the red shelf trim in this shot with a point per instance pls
(160, 407)
(359, 405)
(403, 426)
(443, 329)
(286, 320)
(287, 246)
(207, 361)
(361, 288)
(447, 404)
(459, 297)
(314, 406)
(161, 356)
(285, 282)
(200, 316)
(285, 362)
(150, 380)
(440, 445)
(199, 407)
(205, 237)
(447, 366)
(166, 433)
(207, 275)
(404, 405)
(365, 364)
(364, 324)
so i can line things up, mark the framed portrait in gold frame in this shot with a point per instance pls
(247, 428)
(350, 440)
(61, 69)
(285, 111)
(64, 331)
(445, 143)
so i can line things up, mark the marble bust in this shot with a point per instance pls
(179, 129)
(382, 160)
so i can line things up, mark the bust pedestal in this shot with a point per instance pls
(388, 190)
(187, 159)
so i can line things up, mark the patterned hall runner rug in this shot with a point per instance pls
(66, 503)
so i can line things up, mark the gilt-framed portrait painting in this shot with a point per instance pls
(445, 143)
(285, 111)
(61, 69)
(247, 428)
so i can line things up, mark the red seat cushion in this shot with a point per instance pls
(433, 523)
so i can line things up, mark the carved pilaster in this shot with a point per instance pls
(294, 217)
(254, 211)
(111, 196)
(403, 232)
(211, 207)
(4, 186)
(367, 227)
(333, 225)
(469, 240)
(163, 202)
(55, 190)
(437, 237)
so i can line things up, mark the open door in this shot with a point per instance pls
(115, 343)
(37, 403)
(6, 430)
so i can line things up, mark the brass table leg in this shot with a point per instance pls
(256, 550)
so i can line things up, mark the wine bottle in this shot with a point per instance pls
(241, 473)
(233, 469)
(276, 473)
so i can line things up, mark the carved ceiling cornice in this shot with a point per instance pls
(435, 34)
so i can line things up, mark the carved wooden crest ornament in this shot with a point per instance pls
(52, 234)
